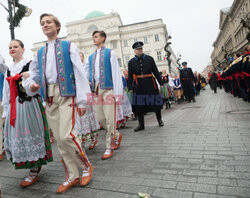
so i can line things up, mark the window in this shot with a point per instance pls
(91, 29)
(120, 61)
(135, 39)
(114, 44)
(125, 43)
(156, 37)
(127, 59)
(159, 58)
(145, 39)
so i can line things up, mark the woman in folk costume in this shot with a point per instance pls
(130, 97)
(58, 71)
(87, 126)
(124, 110)
(166, 91)
(26, 134)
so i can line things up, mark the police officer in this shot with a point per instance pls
(187, 82)
(142, 72)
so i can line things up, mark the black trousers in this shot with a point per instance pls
(141, 117)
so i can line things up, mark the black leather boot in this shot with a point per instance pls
(166, 105)
(161, 123)
(158, 116)
(140, 127)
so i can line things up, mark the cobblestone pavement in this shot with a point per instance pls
(202, 151)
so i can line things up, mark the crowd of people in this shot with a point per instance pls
(235, 78)
(62, 92)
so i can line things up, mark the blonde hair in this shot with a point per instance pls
(54, 18)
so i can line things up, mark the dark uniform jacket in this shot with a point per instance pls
(213, 81)
(187, 79)
(146, 97)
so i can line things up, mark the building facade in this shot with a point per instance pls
(232, 35)
(121, 37)
(207, 71)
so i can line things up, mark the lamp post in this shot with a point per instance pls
(14, 20)
(12, 33)
(178, 61)
(168, 54)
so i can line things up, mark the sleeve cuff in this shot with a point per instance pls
(26, 84)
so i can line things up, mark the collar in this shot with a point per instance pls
(53, 41)
(16, 68)
(137, 58)
(100, 49)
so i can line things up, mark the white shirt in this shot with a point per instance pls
(82, 85)
(97, 66)
(170, 81)
(14, 69)
(51, 59)
(3, 66)
(115, 69)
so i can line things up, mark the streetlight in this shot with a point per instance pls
(168, 54)
(178, 61)
(15, 19)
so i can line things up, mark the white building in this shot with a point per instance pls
(121, 37)
(232, 35)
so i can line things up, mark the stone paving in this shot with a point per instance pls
(203, 151)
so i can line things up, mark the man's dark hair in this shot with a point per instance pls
(102, 34)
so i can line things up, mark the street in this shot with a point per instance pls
(202, 151)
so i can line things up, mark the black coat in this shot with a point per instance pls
(187, 82)
(213, 81)
(146, 97)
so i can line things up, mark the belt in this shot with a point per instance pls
(144, 76)
(186, 78)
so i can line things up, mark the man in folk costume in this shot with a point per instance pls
(187, 82)
(142, 72)
(104, 75)
(58, 71)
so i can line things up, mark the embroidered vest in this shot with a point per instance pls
(177, 82)
(105, 80)
(64, 66)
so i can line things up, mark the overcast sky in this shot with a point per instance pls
(193, 24)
